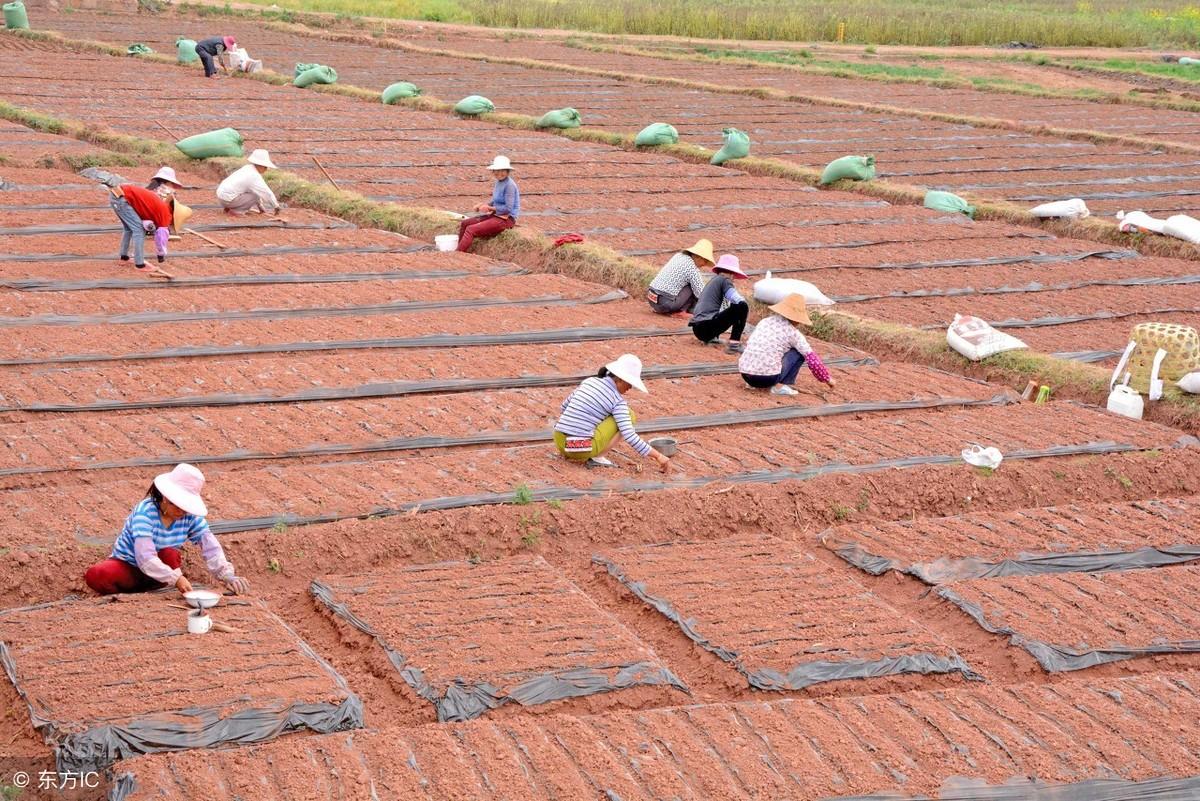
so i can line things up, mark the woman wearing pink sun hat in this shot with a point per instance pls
(146, 554)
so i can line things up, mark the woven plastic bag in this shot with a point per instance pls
(474, 105)
(185, 51)
(948, 201)
(1138, 221)
(1181, 344)
(399, 90)
(1073, 209)
(139, 49)
(976, 340)
(222, 142)
(655, 134)
(317, 73)
(855, 168)
(560, 118)
(1183, 227)
(737, 146)
(770, 290)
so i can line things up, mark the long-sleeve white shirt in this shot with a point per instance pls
(243, 180)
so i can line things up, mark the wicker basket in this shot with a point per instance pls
(1181, 343)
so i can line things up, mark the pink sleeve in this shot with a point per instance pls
(160, 240)
(817, 367)
(214, 556)
(149, 563)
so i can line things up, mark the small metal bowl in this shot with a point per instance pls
(667, 446)
(202, 599)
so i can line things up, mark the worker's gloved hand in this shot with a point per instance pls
(237, 585)
(148, 225)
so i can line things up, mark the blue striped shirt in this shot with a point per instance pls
(506, 198)
(144, 521)
(591, 402)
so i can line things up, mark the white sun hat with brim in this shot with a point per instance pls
(168, 174)
(182, 487)
(262, 158)
(501, 163)
(628, 368)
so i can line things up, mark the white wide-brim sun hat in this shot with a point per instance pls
(501, 163)
(182, 487)
(628, 368)
(262, 158)
(168, 174)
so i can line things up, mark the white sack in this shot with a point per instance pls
(772, 290)
(1073, 209)
(1139, 221)
(976, 340)
(1183, 227)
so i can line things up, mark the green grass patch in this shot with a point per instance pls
(804, 58)
(1161, 69)
(1081, 23)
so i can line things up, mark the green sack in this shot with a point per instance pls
(15, 16)
(948, 201)
(138, 49)
(316, 73)
(303, 68)
(560, 118)
(223, 142)
(658, 133)
(474, 105)
(737, 146)
(856, 168)
(399, 90)
(185, 51)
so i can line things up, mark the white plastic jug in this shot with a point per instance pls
(446, 242)
(1125, 401)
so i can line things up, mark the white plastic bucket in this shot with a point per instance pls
(446, 242)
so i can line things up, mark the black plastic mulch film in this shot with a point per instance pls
(983, 261)
(135, 318)
(283, 250)
(1053, 320)
(804, 674)
(465, 700)
(1022, 789)
(392, 389)
(55, 285)
(606, 489)
(96, 748)
(681, 423)
(535, 337)
(1058, 657)
(1033, 286)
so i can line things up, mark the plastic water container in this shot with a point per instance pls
(1125, 401)
(446, 242)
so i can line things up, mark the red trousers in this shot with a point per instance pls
(484, 227)
(114, 575)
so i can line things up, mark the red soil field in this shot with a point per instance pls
(775, 614)
(471, 638)
(1091, 537)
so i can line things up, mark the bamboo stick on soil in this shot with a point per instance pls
(206, 239)
(168, 130)
(325, 172)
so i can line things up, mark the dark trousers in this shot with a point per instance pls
(206, 58)
(732, 319)
(664, 303)
(793, 360)
(484, 227)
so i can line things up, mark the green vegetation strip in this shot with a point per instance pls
(595, 263)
